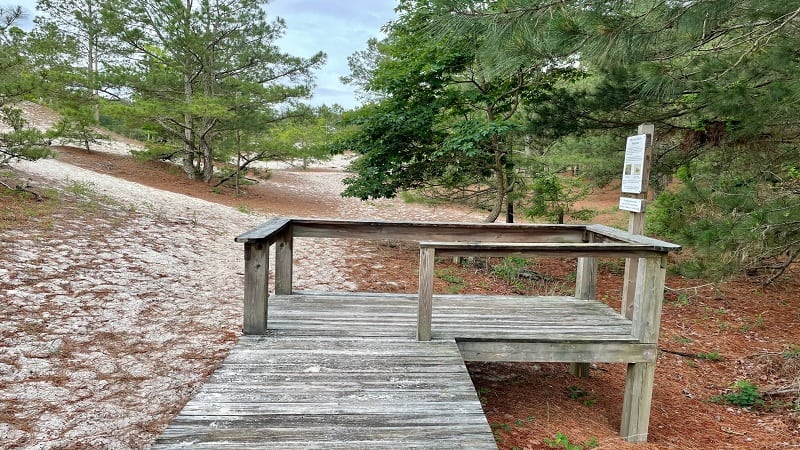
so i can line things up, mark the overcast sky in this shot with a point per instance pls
(337, 27)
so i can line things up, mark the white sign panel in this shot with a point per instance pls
(631, 204)
(634, 164)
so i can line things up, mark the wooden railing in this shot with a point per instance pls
(586, 242)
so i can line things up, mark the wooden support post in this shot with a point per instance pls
(256, 287)
(648, 300)
(425, 312)
(636, 224)
(586, 279)
(284, 252)
(586, 289)
(636, 403)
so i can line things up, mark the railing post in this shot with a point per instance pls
(585, 289)
(284, 253)
(256, 287)
(425, 311)
(636, 224)
(648, 300)
(586, 279)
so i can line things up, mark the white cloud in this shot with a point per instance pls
(338, 28)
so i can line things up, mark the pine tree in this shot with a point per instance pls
(195, 68)
(719, 80)
(17, 80)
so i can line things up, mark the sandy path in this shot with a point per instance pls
(110, 325)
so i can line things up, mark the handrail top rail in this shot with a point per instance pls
(487, 233)
(624, 249)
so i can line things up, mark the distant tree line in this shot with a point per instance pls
(201, 81)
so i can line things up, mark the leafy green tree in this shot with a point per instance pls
(719, 80)
(205, 71)
(442, 122)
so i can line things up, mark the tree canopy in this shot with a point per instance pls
(203, 80)
(718, 79)
(17, 80)
(442, 120)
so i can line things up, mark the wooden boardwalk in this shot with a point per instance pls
(346, 370)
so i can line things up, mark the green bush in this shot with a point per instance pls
(743, 393)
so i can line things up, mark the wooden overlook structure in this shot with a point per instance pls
(366, 370)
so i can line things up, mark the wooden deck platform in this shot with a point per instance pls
(346, 370)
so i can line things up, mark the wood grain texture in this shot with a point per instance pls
(637, 401)
(345, 370)
(256, 288)
(284, 252)
(265, 231)
(424, 311)
(310, 392)
(550, 249)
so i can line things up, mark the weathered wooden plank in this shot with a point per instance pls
(284, 252)
(464, 441)
(366, 360)
(637, 401)
(629, 287)
(253, 394)
(425, 309)
(586, 279)
(341, 366)
(585, 289)
(557, 249)
(331, 408)
(396, 387)
(579, 352)
(331, 433)
(412, 231)
(603, 233)
(343, 382)
(265, 232)
(649, 299)
(422, 418)
(440, 315)
(368, 301)
(256, 287)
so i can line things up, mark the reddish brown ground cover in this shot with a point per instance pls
(711, 336)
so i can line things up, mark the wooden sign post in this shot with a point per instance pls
(635, 184)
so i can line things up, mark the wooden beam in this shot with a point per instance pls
(647, 304)
(603, 233)
(256, 287)
(637, 401)
(527, 249)
(266, 231)
(636, 222)
(413, 231)
(648, 299)
(585, 289)
(580, 352)
(425, 310)
(284, 254)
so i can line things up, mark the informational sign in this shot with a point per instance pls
(634, 164)
(631, 204)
